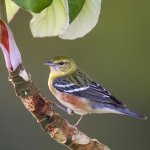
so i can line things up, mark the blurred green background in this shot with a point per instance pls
(116, 54)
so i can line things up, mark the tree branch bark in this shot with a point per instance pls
(42, 109)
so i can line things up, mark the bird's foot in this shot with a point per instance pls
(68, 110)
(78, 121)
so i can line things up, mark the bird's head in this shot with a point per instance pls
(61, 65)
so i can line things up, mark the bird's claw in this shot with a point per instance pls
(78, 121)
(68, 110)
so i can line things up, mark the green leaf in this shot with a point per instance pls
(75, 7)
(35, 6)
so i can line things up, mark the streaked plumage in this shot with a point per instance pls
(78, 92)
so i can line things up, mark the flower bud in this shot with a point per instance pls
(8, 45)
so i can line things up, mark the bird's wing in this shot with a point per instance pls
(82, 86)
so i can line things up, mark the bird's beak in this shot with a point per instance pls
(49, 63)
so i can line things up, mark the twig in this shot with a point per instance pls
(42, 110)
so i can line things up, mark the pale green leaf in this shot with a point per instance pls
(85, 21)
(11, 9)
(52, 21)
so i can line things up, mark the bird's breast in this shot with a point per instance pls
(77, 104)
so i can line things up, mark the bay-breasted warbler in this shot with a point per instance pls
(79, 93)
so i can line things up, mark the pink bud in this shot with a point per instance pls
(9, 47)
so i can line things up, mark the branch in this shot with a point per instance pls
(58, 128)
(42, 109)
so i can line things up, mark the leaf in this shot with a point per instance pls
(11, 9)
(52, 21)
(35, 6)
(85, 21)
(75, 7)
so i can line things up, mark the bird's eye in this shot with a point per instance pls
(61, 63)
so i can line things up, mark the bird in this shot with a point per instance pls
(79, 93)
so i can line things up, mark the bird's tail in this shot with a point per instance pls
(132, 113)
